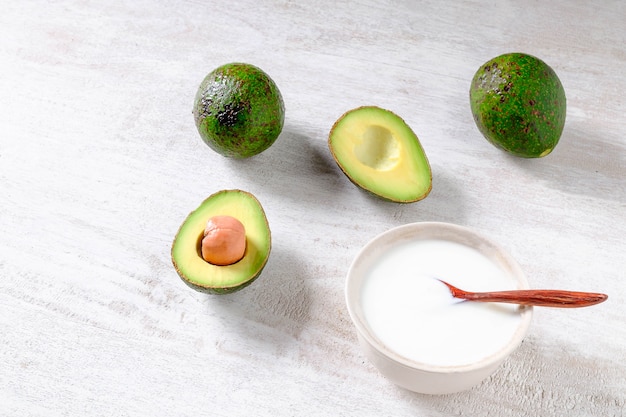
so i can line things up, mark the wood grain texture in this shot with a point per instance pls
(100, 162)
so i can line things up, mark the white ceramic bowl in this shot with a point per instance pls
(416, 375)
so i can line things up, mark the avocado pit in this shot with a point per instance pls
(224, 241)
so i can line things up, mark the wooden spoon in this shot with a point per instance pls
(543, 298)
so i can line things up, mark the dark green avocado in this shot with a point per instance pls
(238, 110)
(518, 104)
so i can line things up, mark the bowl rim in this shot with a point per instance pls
(369, 336)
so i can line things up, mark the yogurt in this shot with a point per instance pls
(414, 314)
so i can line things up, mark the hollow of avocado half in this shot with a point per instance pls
(378, 151)
(238, 110)
(213, 279)
(518, 104)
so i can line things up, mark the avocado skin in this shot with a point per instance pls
(238, 110)
(518, 104)
(220, 290)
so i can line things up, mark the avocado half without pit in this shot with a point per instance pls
(379, 152)
(224, 244)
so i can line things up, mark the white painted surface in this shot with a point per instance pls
(100, 162)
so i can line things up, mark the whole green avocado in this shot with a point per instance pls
(238, 110)
(518, 104)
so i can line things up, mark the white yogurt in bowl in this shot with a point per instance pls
(408, 323)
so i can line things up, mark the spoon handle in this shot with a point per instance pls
(543, 298)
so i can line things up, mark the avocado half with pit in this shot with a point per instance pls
(378, 151)
(222, 279)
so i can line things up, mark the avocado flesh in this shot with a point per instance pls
(203, 276)
(238, 110)
(380, 153)
(518, 104)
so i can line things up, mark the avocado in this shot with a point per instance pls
(238, 110)
(222, 279)
(518, 104)
(379, 152)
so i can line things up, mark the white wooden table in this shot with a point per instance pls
(100, 162)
